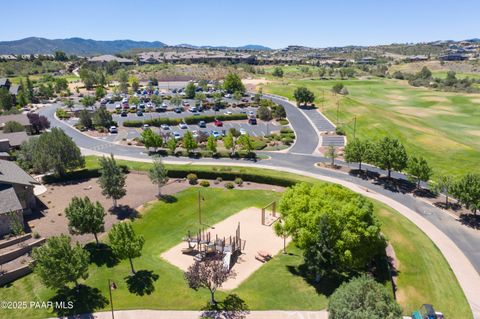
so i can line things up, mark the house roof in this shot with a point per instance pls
(8, 199)
(108, 58)
(11, 173)
(14, 89)
(20, 118)
(14, 139)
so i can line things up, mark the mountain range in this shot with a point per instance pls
(86, 47)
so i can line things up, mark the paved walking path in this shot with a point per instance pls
(172, 314)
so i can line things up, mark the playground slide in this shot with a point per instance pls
(227, 259)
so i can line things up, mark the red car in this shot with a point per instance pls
(218, 123)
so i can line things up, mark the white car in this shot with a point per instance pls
(243, 131)
(133, 107)
(165, 127)
(228, 113)
(145, 126)
(195, 134)
(183, 126)
(215, 134)
(113, 130)
(228, 95)
(177, 135)
(251, 113)
(118, 106)
(164, 105)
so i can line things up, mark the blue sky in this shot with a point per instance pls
(271, 23)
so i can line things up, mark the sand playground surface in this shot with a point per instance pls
(257, 238)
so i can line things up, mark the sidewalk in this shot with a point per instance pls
(172, 314)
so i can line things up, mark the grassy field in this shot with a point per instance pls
(443, 127)
(424, 275)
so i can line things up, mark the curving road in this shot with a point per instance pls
(459, 242)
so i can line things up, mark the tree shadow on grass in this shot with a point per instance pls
(232, 307)
(124, 212)
(83, 300)
(101, 254)
(141, 282)
(325, 286)
(169, 199)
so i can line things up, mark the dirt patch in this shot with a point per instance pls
(396, 97)
(252, 84)
(423, 112)
(442, 99)
(474, 132)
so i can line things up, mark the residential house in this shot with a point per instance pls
(20, 118)
(11, 141)
(16, 194)
(12, 88)
(107, 58)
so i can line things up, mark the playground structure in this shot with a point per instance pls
(269, 217)
(202, 246)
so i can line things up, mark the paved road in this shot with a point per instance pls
(300, 158)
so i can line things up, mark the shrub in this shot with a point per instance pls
(204, 183)
(229, 185)
(340, 130)
(192, 178)
(238, 181)
(36, 235)
(283, 122)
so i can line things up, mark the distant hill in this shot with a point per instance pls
(78, 46)
(253, 47)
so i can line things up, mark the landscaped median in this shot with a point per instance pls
(424, 275)
(188, 120)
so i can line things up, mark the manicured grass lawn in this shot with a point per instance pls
(443, 127)
(425, 277)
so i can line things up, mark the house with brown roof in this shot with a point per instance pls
(20, 118)
(16, 194)
(11, 88)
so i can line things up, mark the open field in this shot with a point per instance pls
(424, 275)
(443, 127)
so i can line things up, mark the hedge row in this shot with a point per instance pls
(189, 120)
(181, 173)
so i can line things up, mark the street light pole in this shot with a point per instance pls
(354, 126)
(110, 283)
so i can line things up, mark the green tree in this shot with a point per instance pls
(88, 100)
(362, 298)
(133, 100)
(52, 151)
(278, 72)
(60, 56)
(102, 117)
(303, 95)
(190, 90)
(158, 174)
(246, 143)
(237, 96)
(389, 154)
(418, 170)
(85, 119)
(6, 101)
(264, 113)
(200, 97)
(281, 231)
(331, 154)
(189, 142)
(151, 139)
(212, 144)
(233, 83)
(15, 223)
(353, 229)
(22, 97)
(58, 263)
(425, 73)
(85, 217)
(279, 112)
(229, 142)
(88, 78)
(172, 145)
(444, 184)
(61, 84)
(100, 93)
(467, 191)
(125, 243)
(358, 151)
(337, 88)
(112, 179)
(12, 127)
(134, 83)
(122, 76)
(29, 89)
(176, 101)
